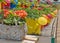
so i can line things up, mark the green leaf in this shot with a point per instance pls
(1, 0)
(1, 16)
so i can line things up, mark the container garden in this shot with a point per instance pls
(12, 26)
(39, 17)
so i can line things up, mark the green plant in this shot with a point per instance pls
(11, 20)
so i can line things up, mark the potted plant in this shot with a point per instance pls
(41, 16)
(13, 24)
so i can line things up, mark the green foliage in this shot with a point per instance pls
(1, 16)
(11, 19)
(1, 0)
(32, 13)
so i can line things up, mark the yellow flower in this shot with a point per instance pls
(53, 15)
(42, 21)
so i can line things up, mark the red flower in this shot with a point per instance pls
(21, 13)
(6, 12)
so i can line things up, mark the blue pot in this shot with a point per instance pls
(12, 5)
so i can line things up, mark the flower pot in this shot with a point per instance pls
(12, 32)
(33, 27)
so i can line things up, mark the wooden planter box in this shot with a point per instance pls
(12, 32)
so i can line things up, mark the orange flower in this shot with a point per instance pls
(21, 13)
(6, 12)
